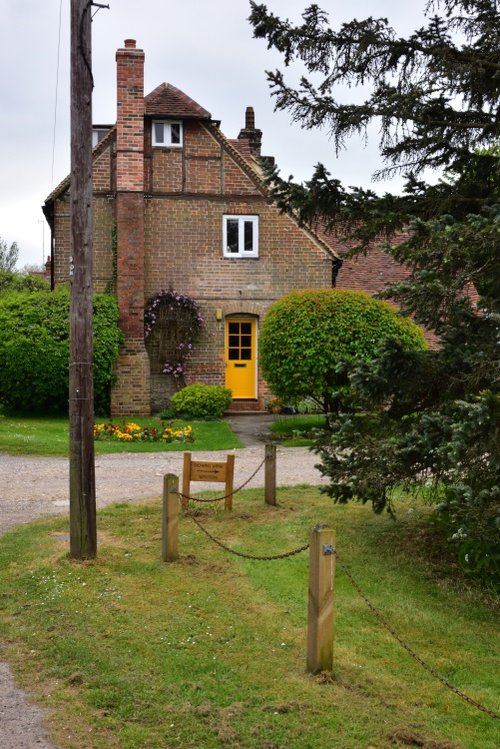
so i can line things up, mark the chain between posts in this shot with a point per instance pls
(202, 500)
(241, 553)
(378, 614)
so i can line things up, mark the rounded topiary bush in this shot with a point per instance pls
(200, 401)
(34, 350)
(310, 338)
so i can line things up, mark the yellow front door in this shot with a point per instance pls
(241, 358)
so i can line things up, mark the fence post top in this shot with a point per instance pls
(321, 527)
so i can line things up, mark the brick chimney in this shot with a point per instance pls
(250, 133)
(130, 118)
(130, 394)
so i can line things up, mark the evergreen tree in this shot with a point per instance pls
(8, 256)
(423, 417)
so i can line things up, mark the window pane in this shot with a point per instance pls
(248, 240)
(175, 133)
(246, 354)
(246, 327)
(232, 235)
(234, 353)
(246, 340)
(234, 327)
(234, 340)
(159, 136)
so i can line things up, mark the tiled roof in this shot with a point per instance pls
(371, 271)
(168, 101)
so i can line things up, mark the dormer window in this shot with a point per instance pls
(167, 134)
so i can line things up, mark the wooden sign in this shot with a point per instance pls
(203, 470)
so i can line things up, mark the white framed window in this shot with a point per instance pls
(167, 133)
(240, 236)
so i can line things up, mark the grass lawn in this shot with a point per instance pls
(50, 436)
(209, 651)
(296, 430)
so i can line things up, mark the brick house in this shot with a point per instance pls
(177, 205)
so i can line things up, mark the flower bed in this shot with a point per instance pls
(131, 432)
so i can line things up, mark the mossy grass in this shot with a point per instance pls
(50, 436)
(209, 651)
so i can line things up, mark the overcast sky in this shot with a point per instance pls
(204, 47)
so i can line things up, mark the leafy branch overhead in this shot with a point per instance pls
(434, 93)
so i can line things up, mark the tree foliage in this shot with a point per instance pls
(21, 282)
(34, 350)
(428, 418)
(310, 340)
(8, 256)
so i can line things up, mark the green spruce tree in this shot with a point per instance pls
(423, 418)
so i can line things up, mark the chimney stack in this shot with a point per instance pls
(250, 133)
(130, 395)
(130, 118)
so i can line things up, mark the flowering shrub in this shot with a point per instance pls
(132, 432)
(175, 321)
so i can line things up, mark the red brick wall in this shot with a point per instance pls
(101, 170)
(184, 252)
(103, 223)
(166, 170)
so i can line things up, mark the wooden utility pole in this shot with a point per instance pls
(83, 533)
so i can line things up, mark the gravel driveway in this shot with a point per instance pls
(32, 487)
(35, 486)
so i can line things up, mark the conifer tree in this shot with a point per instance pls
(422, 417)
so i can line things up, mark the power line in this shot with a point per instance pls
(56, 95)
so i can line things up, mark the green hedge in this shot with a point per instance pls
(201, 401)
(34, 350)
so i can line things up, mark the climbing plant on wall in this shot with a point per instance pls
(172, 324)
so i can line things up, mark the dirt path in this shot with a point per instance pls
(32, 487)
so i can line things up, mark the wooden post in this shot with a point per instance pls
(228, 503)
(320, 609)
(170, 519)
(270, 475)
(186, 480)
(83, 532)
